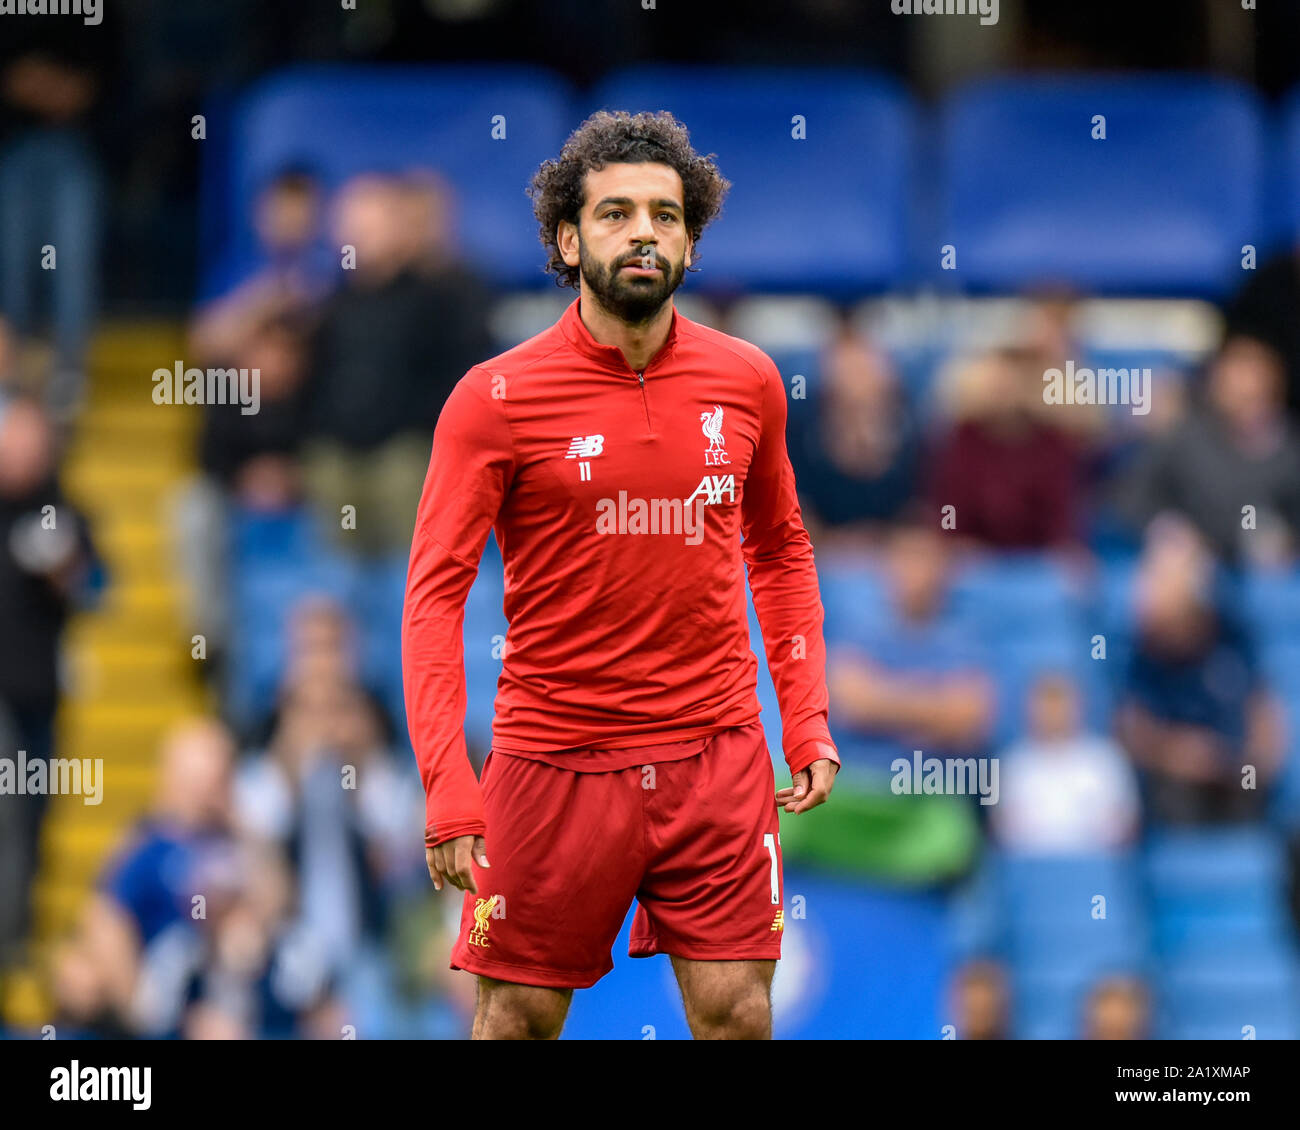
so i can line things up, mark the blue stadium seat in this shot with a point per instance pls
(1229, 994)
(828, 214)
(339, 121)
(854, 596)
(1214, 864)
(1063, 888)
(1163, 204)
(1272, 605)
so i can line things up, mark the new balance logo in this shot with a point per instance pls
(584, 447)
(713, 488)
(778, 922)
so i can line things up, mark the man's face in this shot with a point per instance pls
(630, 242)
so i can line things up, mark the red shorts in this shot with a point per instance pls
(696, 842)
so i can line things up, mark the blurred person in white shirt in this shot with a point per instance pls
(1064, 790)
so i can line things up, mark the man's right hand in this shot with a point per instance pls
(451, 862)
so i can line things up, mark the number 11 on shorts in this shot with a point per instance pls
(770, 841)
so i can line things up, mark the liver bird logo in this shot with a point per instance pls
(482, 912)
(711, 426)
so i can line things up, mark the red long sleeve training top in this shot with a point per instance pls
(619, 501)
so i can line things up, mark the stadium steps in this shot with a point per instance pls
(128, 660)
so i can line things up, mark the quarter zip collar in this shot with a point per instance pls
(610, 356)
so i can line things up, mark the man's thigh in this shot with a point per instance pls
(566, 854)
(712, 886)
(506, 1011)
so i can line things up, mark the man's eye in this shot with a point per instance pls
(667, 216)
(611, 215)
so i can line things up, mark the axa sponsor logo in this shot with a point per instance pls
(715, 455)
(714, 489)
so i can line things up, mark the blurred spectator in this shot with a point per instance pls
(1235, 448)
(855, 457)
(1267, 310)
(150, 885)
(190, 932)
(248, 461)
(979, 998)
(82, 1009)
(51, 192)
(1117, 1008)
(254, 457)
(1064, 791)
(294, 279)
(329, 793)
(1014, 479)
(405, 324)
(1195, 709)
(249, 973)
(47, 563)
(916, 679)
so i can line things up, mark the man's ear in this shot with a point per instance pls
(690, 250)
(566, 239)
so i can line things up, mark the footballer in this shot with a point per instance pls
(632, 463)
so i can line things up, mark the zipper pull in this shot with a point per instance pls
(640, 376)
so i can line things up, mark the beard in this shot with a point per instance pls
(634, 299)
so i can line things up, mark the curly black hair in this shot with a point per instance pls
(610, 138)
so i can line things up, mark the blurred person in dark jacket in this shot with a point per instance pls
(855, 456)
(1267, 310)
(1196, 715)
(254, 457)
(1236, 448)
(51, 188)
(405, 323)
(46, 566)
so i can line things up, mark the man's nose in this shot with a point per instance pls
(644, 230)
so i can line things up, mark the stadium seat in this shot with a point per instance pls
(340, 121)
(1214, 864)
(826, 214)
(1162, 205)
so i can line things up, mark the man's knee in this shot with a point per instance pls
(743, 1013)
(519, 1012)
